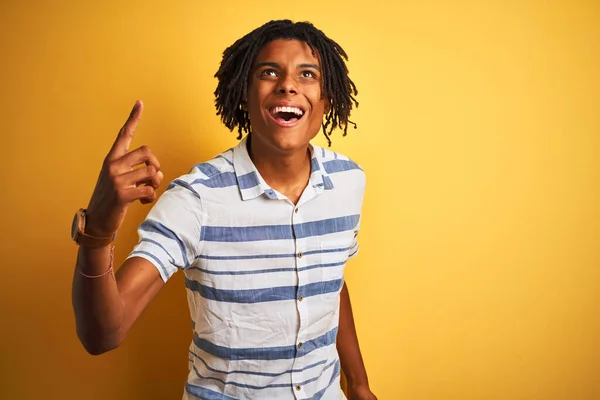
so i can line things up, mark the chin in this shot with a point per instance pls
(286, 140)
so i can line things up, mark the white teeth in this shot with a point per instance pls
(294, 110)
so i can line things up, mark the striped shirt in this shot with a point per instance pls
(263, 275)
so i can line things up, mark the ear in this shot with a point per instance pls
(244, 105)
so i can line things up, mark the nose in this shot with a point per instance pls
(287, 85)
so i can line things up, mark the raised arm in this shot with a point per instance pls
(106, 305)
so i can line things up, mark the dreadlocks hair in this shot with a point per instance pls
(234, 72)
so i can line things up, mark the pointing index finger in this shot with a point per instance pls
(123, 141)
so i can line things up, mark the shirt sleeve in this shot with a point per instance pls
(361, 183)
(169, 237)
(354, 247)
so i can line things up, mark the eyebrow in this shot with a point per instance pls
(275, 65)
(313, 66)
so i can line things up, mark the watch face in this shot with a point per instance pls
(74, 226)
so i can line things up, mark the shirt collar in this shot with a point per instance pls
(252, 185)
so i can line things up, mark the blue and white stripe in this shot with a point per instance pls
(263, 279)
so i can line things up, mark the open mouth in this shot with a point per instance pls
(286, 115)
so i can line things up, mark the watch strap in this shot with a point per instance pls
(86, 240)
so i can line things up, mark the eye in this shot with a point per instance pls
(308, 74)
(268, 72)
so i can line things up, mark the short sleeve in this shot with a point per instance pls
(169, 237)
(354, 247)
(361, 184)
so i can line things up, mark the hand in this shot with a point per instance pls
(360, 393)
(119, 184)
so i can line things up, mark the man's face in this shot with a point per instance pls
(285, 101)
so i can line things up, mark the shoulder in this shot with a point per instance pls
(220, 164)
(335, 162)
(215, 173)
(340, 167)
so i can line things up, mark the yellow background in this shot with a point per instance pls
(479, 130)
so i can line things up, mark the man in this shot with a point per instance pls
(262, 232)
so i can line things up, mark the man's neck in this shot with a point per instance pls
(288, 173)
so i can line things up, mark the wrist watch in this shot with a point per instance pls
(83, 239)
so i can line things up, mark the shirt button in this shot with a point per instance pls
(300, 345)
(298, 387)
(300, 255)
(296, 210)
(300, 298)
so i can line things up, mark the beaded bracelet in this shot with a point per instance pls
(109, 270)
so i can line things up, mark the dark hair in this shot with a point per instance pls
(231, 92)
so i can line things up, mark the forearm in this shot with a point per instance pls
(97, 304)
(347, 344)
